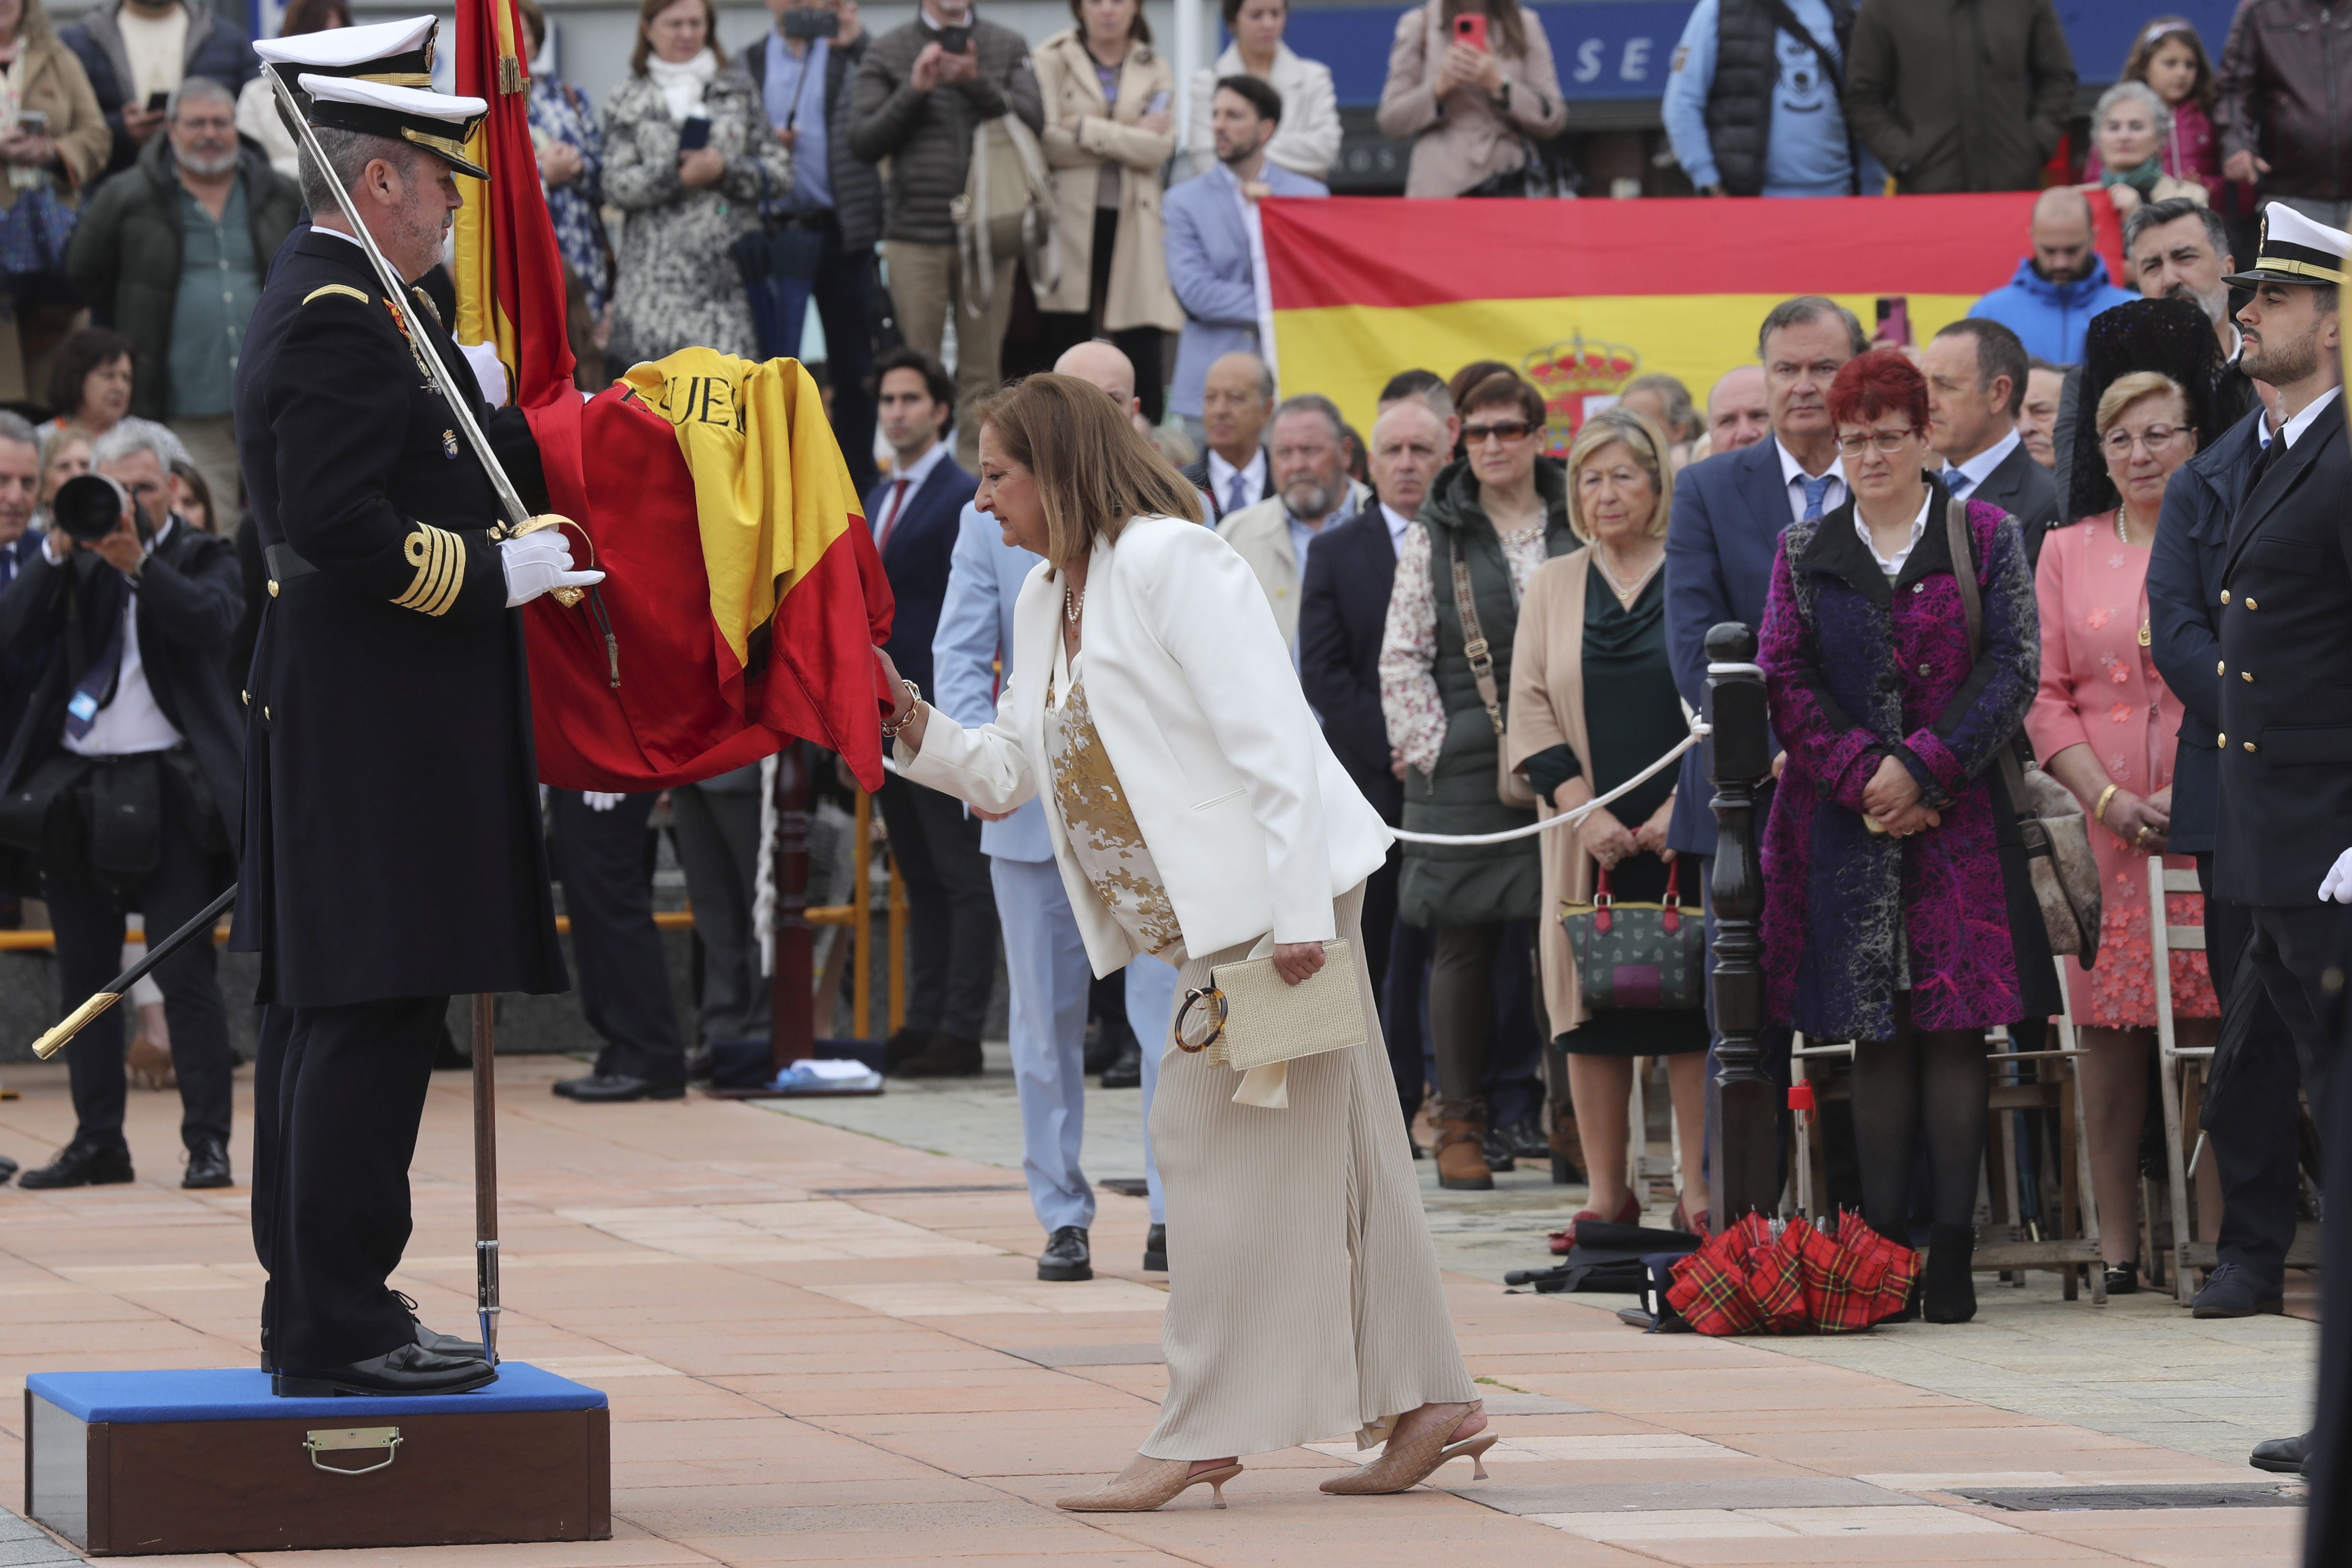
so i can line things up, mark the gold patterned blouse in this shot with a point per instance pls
(1096, 820)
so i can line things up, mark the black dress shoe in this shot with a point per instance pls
(1947, 1287)
(433, 1339)
(902, 1044)
(945, 1057)
(1155, 1250)
(2123, 1279)
(613, 1089)
(7, 1169)
(404, 1369)
(82, 1165)
(1499, 1157)
(1526, 1140)
(2282, 1456)
(1066, 1256)
(1127, 1071)
(2232, 1291)
(208, 1166)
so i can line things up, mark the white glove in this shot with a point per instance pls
(538, 561)
(2338, 885)
(597, 800)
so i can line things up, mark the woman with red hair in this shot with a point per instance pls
(1897, 910)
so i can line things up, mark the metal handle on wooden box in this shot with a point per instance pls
(336, 1439)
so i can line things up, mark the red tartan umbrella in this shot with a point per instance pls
(1792, 1278)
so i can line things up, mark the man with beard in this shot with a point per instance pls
(392, 852)
(1307, 458)
(2285, 659)
(2057, 289)
(174, 251)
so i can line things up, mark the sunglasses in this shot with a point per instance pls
(1505, 431)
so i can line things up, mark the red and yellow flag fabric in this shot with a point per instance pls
(744, 597)
(1583, 296)
(509, 272)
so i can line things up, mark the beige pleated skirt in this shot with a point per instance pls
(1303, 1296)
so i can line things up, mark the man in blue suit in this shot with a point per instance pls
(1212, 222)
(1047, 973)
(2251, 1102)
(951, 929)
(1725, 532)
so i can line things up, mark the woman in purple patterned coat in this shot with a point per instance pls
(1897, 911)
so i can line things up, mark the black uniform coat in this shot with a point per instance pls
(189, 602)
(2184, 612)
(393, 844)
(2286, 676)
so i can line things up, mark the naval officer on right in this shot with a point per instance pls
(2285, 739)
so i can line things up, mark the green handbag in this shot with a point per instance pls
(1637, 955)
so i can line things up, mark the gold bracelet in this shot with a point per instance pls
(2099, 812)
(890, 727)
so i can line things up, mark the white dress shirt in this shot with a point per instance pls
(887, 514)
(2294, 427)
(132, 722)
(1221, 480)
(1963, 479)
(1793, 477)
(1893, 564)
(1398, 523)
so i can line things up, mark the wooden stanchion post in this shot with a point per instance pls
(793, 971)
(1745, 1158)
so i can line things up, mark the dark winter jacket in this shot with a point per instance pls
(1960, 95)
(2286, 83)
(124, 261)
(927, 136)
(1747, 71)
(856, 184)
(216, 47)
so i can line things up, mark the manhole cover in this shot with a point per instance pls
(2078, 1499)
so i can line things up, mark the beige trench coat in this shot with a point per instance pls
(51, 80)
(1472, 141)
(1139, 295)
(1548, 709)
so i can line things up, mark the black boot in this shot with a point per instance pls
(1948, 1292)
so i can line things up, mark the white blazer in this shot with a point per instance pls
(1253, 823)
(1306, 140)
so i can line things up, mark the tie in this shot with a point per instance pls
(2262, 462)
(1237, 493)
(898, 499)
(1957, 482)
(1815, 491)
(95, 690)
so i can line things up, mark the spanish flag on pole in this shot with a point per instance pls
(743, 599)
(1583, 296)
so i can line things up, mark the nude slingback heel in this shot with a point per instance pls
(1143, 1492)
(1404, 1465)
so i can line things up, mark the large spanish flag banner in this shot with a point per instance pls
(1583, 296)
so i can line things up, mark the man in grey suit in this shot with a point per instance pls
(1976, 371)
(1047, 976)
(1212, 228)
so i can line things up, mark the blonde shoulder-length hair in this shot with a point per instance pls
(1638, 434)
(1094, 469)
(2126, 390)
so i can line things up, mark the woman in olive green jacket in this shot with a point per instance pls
(65, 150)
(1504, 508)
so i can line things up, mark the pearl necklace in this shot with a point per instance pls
(1072, 606)
(1625, 596)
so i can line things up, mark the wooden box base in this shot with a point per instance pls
(133, 1463)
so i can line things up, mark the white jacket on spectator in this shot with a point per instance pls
(1253, 823)
(1308, 141)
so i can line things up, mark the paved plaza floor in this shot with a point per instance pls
(824, 1341)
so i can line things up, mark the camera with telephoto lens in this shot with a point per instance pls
(812, 22)
(88, 506)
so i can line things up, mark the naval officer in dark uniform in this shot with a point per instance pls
(391, 850)
(2285, 739)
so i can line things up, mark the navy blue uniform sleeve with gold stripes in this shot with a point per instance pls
(340, 402)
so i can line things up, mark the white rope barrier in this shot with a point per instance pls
(1566, 818)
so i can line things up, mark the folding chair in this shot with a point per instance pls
(2181, 1070)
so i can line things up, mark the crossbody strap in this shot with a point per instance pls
(1964, 573)
(1473, 646)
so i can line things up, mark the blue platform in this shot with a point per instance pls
(234, 1394)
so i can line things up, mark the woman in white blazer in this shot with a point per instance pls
(1308, 141)
(1196, 814)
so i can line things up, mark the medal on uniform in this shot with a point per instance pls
(450, 443)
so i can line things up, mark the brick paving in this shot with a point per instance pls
(825, 1346)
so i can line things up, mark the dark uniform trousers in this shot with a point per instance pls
(337, 1095)
(89, 923)
(2250, 1128)
(624, 979)
(951, 907)
(716, 831)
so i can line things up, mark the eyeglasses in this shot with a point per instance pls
(1887, 441)
(2156, 437)
(1505, 431)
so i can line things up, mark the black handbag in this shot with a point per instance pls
(126, 818)
(42, 813)
(1636, 955)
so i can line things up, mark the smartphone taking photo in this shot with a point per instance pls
(1471, 31)
(812, 22)
(695, 134)
(955, 40)
(156, 102)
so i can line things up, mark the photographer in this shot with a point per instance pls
(123, 780)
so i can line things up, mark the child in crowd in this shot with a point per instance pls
(2170, 57)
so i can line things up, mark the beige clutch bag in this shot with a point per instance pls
(1251, 1017)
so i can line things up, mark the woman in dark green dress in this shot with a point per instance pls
(1593, 703)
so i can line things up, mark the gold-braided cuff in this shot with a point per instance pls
(439, 557)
